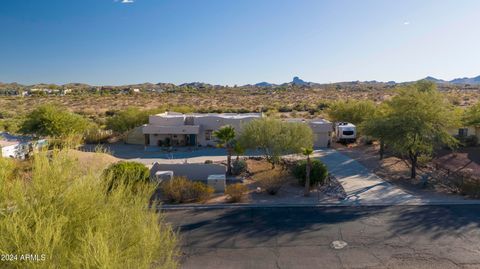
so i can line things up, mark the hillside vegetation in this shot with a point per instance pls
(57, 209)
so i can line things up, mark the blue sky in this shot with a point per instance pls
(236, 41)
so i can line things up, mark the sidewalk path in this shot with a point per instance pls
(365, 188)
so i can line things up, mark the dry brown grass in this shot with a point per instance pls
(96, 106)
(270, 180)
(91, 161)
(258, 166)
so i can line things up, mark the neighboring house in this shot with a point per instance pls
(18, 147)
(466, 131)
(10, 149)
(322, 131)
(176, 129)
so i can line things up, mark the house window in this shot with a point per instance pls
(463, 132)
(208, 134)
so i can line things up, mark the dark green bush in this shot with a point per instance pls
(467, 141)
(471, 141)
(285, 109)
(128, 173)
(238, 167)
(471, 188)
(318, 172)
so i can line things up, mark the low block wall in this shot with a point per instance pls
(192, 171)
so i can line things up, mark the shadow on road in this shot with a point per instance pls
(261, 226)
(437, 221)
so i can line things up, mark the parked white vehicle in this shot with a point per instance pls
(345, 132)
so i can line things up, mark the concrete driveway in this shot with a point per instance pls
(363, 187)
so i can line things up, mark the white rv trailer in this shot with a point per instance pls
(345, 132)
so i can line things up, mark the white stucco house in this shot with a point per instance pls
(176, 129)
(18, 147)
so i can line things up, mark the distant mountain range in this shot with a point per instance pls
(300, 82)
(296, 81)
(465, 80)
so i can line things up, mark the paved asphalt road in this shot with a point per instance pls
(377, 237)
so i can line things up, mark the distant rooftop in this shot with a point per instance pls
(4, 143)
(7, 139)
(314, 121)
(11, 137)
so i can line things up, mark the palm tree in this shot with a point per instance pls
(226, 138)
(307, 152)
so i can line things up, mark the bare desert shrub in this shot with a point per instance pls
(97, 135)
(236, 192)
(182, 190)
(271, 180)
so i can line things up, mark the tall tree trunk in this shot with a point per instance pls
(229, 161)
(382, 148)
(307, 177)
(413, 158)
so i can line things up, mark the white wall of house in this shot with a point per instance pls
(135, 136)
(10, 151)
(210, 123)
(471, 130)
(202, 125)
(165, 120)
(168, 125)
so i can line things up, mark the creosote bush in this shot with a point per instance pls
(271, 180)
(67, 216)
(318, 172)
(128, 173)
(182, 190)
(470, 187)
(239, 166)
(236, 192)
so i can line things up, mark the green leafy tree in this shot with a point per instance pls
(419, 118)
(125, 120)
(53, 121)
(377, 127)
(472, 115)
(226, 138)
(274, 137)
(350, 111)
(307, 152)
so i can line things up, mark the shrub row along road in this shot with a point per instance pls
(330, 237)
